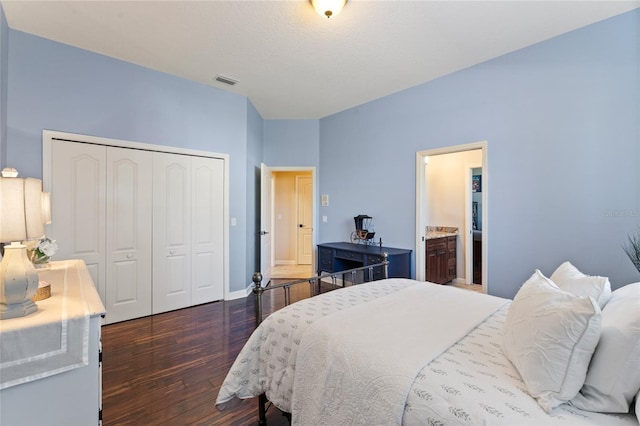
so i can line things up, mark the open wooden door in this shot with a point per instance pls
(266, 208)
(304, 191)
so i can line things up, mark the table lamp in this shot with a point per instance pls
(46, 207)
(21, 218)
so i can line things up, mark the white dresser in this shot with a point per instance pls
(50, 368)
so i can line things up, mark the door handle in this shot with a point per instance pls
(264, 232)
(301, 226)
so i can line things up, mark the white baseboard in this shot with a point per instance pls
(239, 294)
(285, 262)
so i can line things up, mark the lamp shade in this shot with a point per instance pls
(328, 8)
(21, 209)
(34, 212)
(46, 207)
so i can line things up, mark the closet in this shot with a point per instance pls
(148, 224)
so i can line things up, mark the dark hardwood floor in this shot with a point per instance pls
(167, 369)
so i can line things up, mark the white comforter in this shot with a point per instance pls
(357, 366)
(470, 383)
(267, 362)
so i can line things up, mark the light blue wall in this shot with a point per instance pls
(58, 87)
(291, 143)
(561, 121)
(4, 61)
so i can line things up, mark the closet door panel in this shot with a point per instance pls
(171, 232)
(176, 268)
(128, 248)
(207, 230)
(78, 205)
(120, 289)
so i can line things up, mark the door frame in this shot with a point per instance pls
(265, 241)
(314, 207)
(48, 136)
(422, 203)
(468, 222)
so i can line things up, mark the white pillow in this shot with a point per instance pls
(613, 378)
(549, 336)
(568, 278)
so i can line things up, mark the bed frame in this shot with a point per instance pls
(315, 284)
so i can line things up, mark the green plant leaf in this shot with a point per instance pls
(632, 248)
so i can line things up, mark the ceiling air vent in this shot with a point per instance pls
(226, 80)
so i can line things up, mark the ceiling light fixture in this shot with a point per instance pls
(328, 8)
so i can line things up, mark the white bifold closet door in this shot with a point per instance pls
(101, 204)
(149, 225)
(188, 230)
(207, 230)
(78, 189)
(171, 231)
(128, 234)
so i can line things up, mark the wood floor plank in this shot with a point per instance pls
(167, 369)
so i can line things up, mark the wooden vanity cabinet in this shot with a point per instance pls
(441, 259)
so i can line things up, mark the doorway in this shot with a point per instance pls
(291, 213)
(439, 199)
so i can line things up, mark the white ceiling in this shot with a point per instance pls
(291, 62)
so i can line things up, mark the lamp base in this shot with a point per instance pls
(17, 310)
(18, 283)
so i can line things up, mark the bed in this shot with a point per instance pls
(403, 352)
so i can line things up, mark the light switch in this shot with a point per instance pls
(325, 200)
(324, 219)
(233, 221)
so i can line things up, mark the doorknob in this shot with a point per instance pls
(264, 232)
(301, 226)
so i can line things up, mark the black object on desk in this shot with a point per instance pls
(335, 257)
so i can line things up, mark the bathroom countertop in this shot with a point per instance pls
(440, 232)
(433, 235)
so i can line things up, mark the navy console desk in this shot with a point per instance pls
(335, 257)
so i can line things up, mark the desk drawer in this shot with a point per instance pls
(325, 259)
(377, 273)
(349, 255)
(372, 260)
